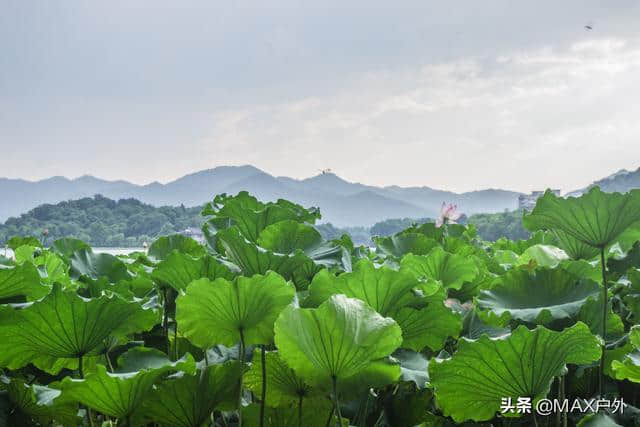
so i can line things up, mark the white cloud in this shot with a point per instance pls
(524, 120)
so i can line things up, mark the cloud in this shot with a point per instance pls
(557, 117)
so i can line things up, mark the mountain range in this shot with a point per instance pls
(342, 203)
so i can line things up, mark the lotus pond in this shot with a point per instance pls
(270, 325)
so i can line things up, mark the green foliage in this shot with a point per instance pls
(273, 322)
(471, 384)
(100, 221)
(492, 227)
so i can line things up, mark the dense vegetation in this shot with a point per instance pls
(494, 226)
(269, 324)
(100, 221)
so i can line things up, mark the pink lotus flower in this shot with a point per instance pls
(448, 214)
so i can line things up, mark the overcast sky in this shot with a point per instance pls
(449, 94)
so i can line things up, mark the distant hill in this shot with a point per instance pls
(342, 203)
(621, 182)
(100, 221)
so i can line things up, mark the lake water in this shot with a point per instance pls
(113, 251)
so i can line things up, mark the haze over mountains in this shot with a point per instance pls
(342, 203)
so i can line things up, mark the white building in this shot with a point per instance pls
(528, 201)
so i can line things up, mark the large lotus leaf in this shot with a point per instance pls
(39, 403)
(506, 258)
(284, 387)
(413, 367)
(252, 259)
(178, 270)
(591, 314)
(287, 237)
(543, 256)
(631, 294)
(53, 269)
(573, 247)
(539, 296)
(120, 394)
(622, 263)
(64, 325)
(85, 263)
(26, 253)
(17, 241)
(519, 246)
(185, 400)
(337, 340)
(450, 269)
(21, 280)
(629, 367)
(597, 420)
(67, 246)
(164, 246)
(219, 312)
(252, 216)
(595, 218)
(427, 327)
(583, 269)
(385, 290)
(401, 244)
(471, 384)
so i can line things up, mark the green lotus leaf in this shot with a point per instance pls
(335, 341)
(220, 311)
(21, 280)
(178, 270)
(427, 327)
(429, 229)
(519, 246)
(597, 420)
(315, 415)
(53, 269)
(506, 258)
(252, 216)
(377, 374)
(631, 294)
(477, 323)
(64, 325)
(583, 269)
(121, 394)
(621, 264)
(185, 400)
(288, 237)
(540, 296)
(40, 403)
(413, 367)
(471, 384)
(17, 241)
(85, 263)
(401, 244)
(67, 246)
(629, 367)
(385, 290)
(26, 253)
(543, 256)
(164, 246)
(252, 259)
(595, 218)
(284, 387)
(573, 247)
(591, 314)
(450, 269)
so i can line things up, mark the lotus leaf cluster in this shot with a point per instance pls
(266, 323)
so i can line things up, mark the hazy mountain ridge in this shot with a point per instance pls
(342, 203)
(621, 182)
